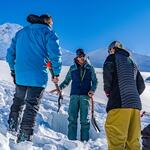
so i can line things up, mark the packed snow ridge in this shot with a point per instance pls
(51, 127)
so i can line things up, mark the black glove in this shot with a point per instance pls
(13, 76)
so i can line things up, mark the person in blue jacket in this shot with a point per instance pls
(30, 50)
(83, 85)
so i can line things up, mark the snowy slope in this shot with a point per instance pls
(51, 127)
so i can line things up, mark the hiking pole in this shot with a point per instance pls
(49, 66)
(93, 120)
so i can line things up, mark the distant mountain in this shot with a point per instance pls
(142, 61)
(7, 32)
(67, 58)
(97, 57)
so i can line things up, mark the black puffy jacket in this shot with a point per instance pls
(123, 82)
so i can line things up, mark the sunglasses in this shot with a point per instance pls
(109, 50)
(80, 56)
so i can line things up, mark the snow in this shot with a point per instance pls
(51, 127)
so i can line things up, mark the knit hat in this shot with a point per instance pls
(33, 19)
(79, 52)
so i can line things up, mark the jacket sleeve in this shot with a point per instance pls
(54, 52)
(11, 54)
(94, 80)
(140, 83)
(108, 69)
(66, 81)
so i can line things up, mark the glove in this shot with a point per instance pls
(13, 76)
(55, 79)
(90, 93)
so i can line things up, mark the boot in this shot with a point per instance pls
(24, 136)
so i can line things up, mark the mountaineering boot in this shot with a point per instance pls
(24, 136)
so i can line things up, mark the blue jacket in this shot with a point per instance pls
(29, 52)
(83, 79)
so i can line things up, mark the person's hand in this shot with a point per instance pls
(55, 79)
(13, 76)
(90, 93)
(107, 94)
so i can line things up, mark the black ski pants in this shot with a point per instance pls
(30, 98)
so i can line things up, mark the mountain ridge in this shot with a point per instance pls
(97, 57)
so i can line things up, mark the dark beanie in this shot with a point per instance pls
(79, 52)
(33, 18)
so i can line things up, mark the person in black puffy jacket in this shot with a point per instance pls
(123, 84)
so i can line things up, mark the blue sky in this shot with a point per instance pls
(89, 24)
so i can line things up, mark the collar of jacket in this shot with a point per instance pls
(122, 51)
(38, 25)
(75, 67)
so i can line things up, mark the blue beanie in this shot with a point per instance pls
(79, 52)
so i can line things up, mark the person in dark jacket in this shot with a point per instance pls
(30, 50)
(146, 138)
(83, 85)
(123, 84)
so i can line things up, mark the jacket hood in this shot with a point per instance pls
(123, 52)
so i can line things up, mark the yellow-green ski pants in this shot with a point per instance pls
(123, 129)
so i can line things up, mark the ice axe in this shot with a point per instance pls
(93, 120)
(49, 66)
(143, 113)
